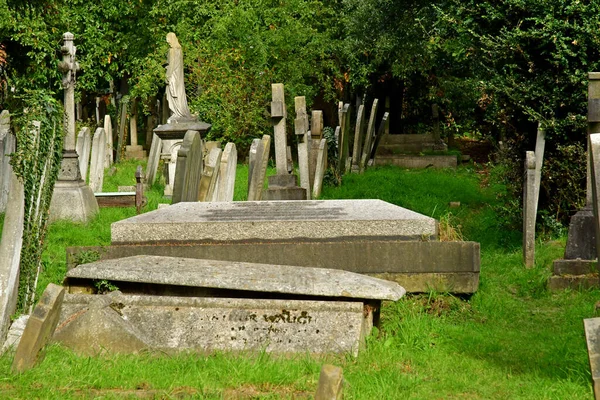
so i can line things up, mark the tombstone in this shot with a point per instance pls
(369, 138)
(224, 306)
(278, 115)
(170, 149)
(208, 146)
(529, 210)
(134, 150)
(380, 133)
(72, 199)
(252, 159)
(316, 124)
(39, 329)
(594, 151)
(189, 169)
(331, 383)
(7, 146)
(122, 131)
(98, 159)
(592, 331)
(304, 146)
(259, 171)
(358, 137)
(109, 141)
(210, 175)
(304, 168)
(321, 167)
(10, 253)
(344, 146)
(227, 171)
(153, 159)
(540, 144)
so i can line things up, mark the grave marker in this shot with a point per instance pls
(529, 210)
(210, 175)
(98, 159)
(84, 144)
(259, 170)
(7, 146)
(189, 168)
(358, 137)
(316, 124)
(331, 383)
(321, 167)
(594, 151)
(153, 159)
(369, 138)
(252, 157)
(304, 146)
(278, 115)
(109, 141)
(228, 168)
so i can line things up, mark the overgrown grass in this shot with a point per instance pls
(512, 339)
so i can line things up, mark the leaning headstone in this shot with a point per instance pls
(189, 168)
(40, 328)
(228, 168)
(369, 138)
(98, 159)
(7, 146)
(529, 210)
(358, 137)
(380, 133)
(153, 159)
(252, 157)
(109, 141)
(344, 145)
(84, 157)
(594, 150)
(210, 175)
(592, 335)
(10, 253)
(540, 144)
(304, 146)
(331, 382)
(321, 166)
(259, 171)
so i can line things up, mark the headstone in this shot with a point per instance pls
(109, 141)
(274, 220)
(98, 159)
(227, 172)
(153, 159)
(529, 210)
(39, 329)
(358, 137)
(259, 171)
(278, 115)
(207, 147)
(316, 124)
(592, 335)
(304, 146)
(72, 199)
(15, 332)
(134, 150)
(344, 146)
(321, 167)
(7, 147)
(189, 168)
(10, 253)
(540, 144)
(122, 131)
(170, 149)
(331, 383)
(210, 175)
(252, 159)
(304, 168)
(380, 133)
(369, 138)
(85, 138)
(594, 150)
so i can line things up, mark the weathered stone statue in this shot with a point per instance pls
(175, 83)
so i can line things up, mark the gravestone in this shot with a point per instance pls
(84, 147)
(331, 383)
(594, 150)
(304, 146)
(320, 168)
(316, 124)
(274, 220)
(134, 150)
(109, 141)
(7, 146)
(252, 157)
(529, 210)
(10, 253)
(221, 305)
(369, 138)
(344, 139)
(39, 329)
(380, 133)
(98, 160)
(259, 170)
(278, 115)
(170, 149)
(210, 175)
(227, 171)
(592, 335)
(153, 159)
(189, 168)
(358, 137)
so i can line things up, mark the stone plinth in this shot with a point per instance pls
(273, 221)
(177, 130)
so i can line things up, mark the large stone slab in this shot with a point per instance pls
(239, 276)
(274, 220)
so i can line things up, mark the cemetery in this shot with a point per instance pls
(299, 201)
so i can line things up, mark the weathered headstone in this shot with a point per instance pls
(109, 141)
(304, 146)
(358, 137)
(316, 124)
(540, 144)
(529, 210)
(134, 150)
(85, 138)
(344, 144)
(304, 168)
(40, 328)
(170, 149)
(380, 133)
(252, 159)
(72, 199)
(228, 169)
(210, 175)
(189, 168)
(592, 335)
(369, 138)
(259, 171)
(10, 253)
(122, 127)
(594, 151)
(98, 159)
(7, 147)
(153, 159)
(278, 115)
(331, 383)
(321, 167)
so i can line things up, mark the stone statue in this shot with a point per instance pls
(175, 82)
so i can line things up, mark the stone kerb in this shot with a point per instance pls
(98, 160)
(10, 253)
(189, 168)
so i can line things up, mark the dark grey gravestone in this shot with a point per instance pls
(189, 168)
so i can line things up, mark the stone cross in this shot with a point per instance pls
(69, 67)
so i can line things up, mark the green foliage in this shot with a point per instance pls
(103, 286)
(36, 162)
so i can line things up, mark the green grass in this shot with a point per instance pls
(513, 339)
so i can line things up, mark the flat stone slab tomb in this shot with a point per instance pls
(171, 303)
(274, 221)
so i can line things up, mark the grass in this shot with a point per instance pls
(512, 339)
